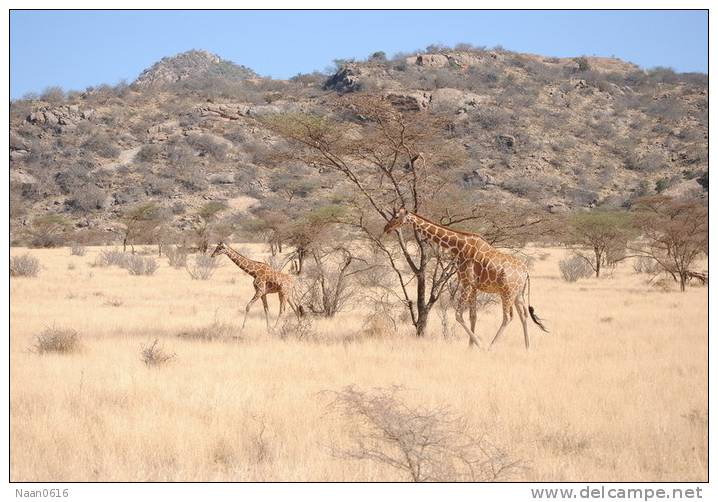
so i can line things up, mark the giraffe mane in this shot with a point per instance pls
(450, 229)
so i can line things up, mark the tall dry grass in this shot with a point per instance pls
(616, 391)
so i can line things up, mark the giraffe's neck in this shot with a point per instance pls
(242, 262)
(451, 240)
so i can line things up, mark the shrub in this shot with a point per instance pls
(662, 185)
(24, 266)
(77, 250)
(148, 153)
(48, 230)
(140, 265)
(207, 145)
(300, 329)
(211, 332)
(424, 444)
(53, 94)
(583, 64)
(575, 268)
(203, 267)
(88, 198)
(101, 144)
(155, 355)
(111, 257)
(646, 265)
(57, 340)
(176, 256)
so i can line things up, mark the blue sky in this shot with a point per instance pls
(76, 49)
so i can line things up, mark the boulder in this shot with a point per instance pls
(506, 142)
(432, 60)
(412, 101)
(456, 100)
(556, 207)
(345, 80)
(221, 178)
(476, 178)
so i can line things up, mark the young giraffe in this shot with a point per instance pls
(266, 281)
(480, 267)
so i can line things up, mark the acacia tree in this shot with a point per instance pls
(675, 234)
(207, 226)
(604, 233)
(140, 222)
(48, 230)
(328, 285)
(387, 157)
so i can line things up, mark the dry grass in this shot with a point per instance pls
(593, 400)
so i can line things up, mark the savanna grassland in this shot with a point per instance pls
(617, 391)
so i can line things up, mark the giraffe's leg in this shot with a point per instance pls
(293, 306)
(266, 309)
(521, 310)
(464, 300)
(257, 296)
(472, 316)
(282, 306)
(506, 303)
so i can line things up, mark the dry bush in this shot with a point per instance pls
(62, 341)
(110, 257)
(258, 447)
(176, 256)
(378, 325)
(424, 444)
(155, 355)
(575, 268)
(646, 265)
(24, 266)
(663, 283)
(202, 268)
(299, 328)
(77, 250)
(113, 302)
(140, 265)
(211, 332)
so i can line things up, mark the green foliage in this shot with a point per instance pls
(703, 180)
(583, 64)
(47, 230)
(210, 210)
(662, 184)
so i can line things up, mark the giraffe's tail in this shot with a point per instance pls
(532, 312)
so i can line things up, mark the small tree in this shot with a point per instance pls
(424, 444)
(583, 64)
(48, 230)
(140, 222)
(604, 234)
(207, 223)
(675, 234)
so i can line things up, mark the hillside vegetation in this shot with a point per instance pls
(548, 133)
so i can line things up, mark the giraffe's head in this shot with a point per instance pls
(221, 248)
(397, 221)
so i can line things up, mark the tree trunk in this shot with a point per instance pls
(422, 319)
(598, 262)
(422, 309)
(683, 281)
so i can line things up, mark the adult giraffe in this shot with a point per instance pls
(480, 267)
(266, 281)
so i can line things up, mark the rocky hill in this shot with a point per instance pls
(560, 134)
